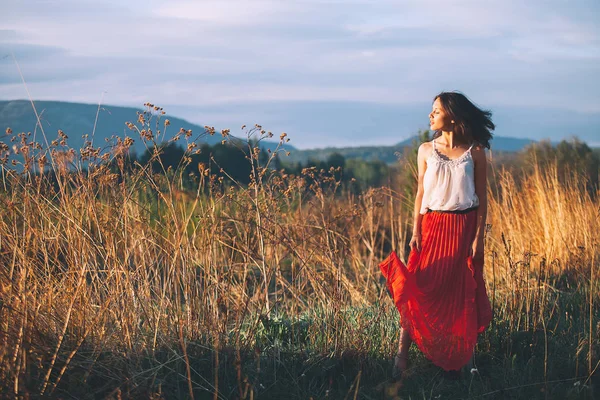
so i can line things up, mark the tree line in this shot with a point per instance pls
(233, 162)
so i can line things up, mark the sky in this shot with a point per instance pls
(327, 72)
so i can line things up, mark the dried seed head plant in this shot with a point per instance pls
(109, 267)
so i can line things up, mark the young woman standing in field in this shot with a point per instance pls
(441, 293)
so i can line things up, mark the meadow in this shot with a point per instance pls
(117, 281)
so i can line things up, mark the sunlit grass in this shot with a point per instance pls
(116, 280)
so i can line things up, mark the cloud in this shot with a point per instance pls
(231, 13)
(541, 53)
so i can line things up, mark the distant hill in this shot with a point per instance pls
(389, 154)
(499, 143)
(386, 154)
(77, 119)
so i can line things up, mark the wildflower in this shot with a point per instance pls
(146, 134)
(42, 161)
(282, 136)
(8, 131)
(167, 122)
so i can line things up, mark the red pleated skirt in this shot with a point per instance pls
(441, 294)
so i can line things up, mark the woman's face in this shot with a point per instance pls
(438, 119)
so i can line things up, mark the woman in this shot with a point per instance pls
(441, 293)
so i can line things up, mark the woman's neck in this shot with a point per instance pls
(451, 140)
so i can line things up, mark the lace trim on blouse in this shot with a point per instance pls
(445, 159)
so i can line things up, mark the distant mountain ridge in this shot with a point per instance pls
(391, 154)
(498, 143)
(77, 119)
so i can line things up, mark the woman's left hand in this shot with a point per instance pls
(477, 250)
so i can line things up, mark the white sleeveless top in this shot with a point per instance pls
(449, 184)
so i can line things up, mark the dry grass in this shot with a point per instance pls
(113, 275)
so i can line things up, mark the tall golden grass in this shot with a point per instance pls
(105, 261)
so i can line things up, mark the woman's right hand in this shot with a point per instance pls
(415, 242)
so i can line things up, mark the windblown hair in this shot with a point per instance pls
(471, 123)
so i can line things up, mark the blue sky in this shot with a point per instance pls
(347, 72)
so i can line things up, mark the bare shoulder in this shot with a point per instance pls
(425, 149)
(478, 152)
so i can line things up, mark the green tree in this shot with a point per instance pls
(571, 156)
(366, 173)
(408, 173)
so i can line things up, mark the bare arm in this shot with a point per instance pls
(424, 150)
(480, 161)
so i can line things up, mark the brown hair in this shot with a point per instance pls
(470, 122)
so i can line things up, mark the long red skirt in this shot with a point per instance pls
(441, 293)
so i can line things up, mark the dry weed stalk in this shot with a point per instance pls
(98, 257)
